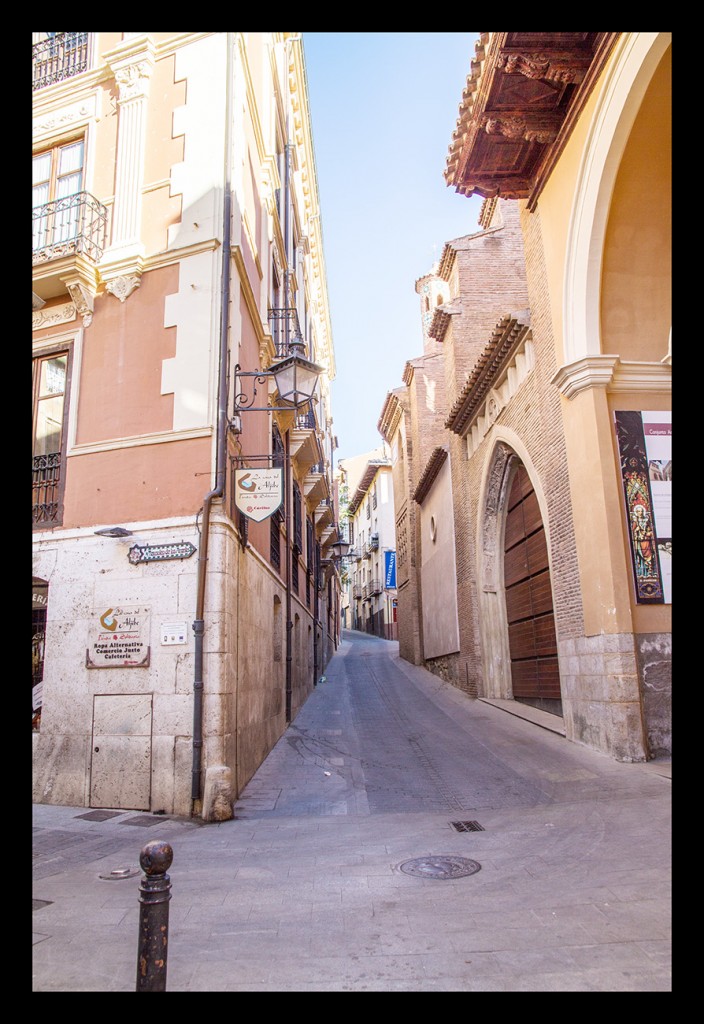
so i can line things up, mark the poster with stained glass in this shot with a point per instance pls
(645, 451)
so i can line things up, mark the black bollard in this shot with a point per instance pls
(155, 893)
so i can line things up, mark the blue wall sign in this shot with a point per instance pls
(390, 567)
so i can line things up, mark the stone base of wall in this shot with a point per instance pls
(654, 658)
(601, 695)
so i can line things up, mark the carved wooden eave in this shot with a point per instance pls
(432, 468)
(390, 418)
(510, 333)
(524, 93)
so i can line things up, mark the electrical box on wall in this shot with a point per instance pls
(174, 633)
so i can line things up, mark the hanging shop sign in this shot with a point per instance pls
(259, 492)
(390, 570)
(119, 638)
(159, 552)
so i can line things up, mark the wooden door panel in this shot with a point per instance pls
(529, 608)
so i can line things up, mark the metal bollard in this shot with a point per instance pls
(155, 893)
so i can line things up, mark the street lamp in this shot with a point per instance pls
(339, 548)
(296, 379)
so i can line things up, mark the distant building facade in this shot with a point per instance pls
(371, 571)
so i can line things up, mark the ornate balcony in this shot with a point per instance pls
(62, 56)
(68, 239)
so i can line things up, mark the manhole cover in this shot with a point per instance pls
(118, 873)
(440, 867)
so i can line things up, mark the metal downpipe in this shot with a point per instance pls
(221, 451)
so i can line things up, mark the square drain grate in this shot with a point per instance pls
(99, 815)
(145, 821)
(467, 826)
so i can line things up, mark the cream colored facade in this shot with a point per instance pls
(177, 249)
(371, 560)
(537, 393)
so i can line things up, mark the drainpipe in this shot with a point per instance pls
(287, 441)
(220, 458)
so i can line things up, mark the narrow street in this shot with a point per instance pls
(399, 837)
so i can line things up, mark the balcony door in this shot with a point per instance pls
(57, 178)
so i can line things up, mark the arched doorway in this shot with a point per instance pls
(530, 617)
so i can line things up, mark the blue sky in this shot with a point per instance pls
(383, 107)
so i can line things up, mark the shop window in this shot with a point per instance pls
(40, 589)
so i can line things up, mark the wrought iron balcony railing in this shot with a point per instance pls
(63, 55)
(375, 587)
(284, 328)
(46, 477)
(356, 590)
(74, 224)
(306, 421)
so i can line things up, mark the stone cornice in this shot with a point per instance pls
(612, 373)
(137, 440)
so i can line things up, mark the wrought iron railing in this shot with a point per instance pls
(284, 328)
(375, 587)
(63, 55)
(74, 224)
(356, 590)
(306, 421)
(46, 477)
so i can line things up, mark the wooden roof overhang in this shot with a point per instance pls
(523, 96)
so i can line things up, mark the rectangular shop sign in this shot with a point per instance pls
(119, 638)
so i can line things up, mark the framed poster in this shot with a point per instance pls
(645, 452)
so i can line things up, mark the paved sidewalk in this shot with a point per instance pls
(308, 888)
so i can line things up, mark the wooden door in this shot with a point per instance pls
(529, 609)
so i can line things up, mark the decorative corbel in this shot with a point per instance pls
(82, 299)
(122, 287)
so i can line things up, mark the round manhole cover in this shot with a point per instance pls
(440, 867)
